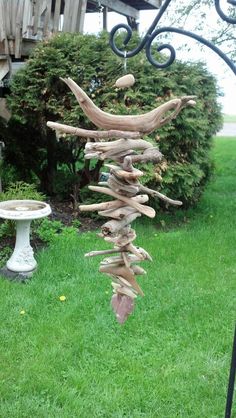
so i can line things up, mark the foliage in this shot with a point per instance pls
(229, 118)
(17, 191)
(38, 95)
(21, 191)
(201, 18)
(48, 230)
(7, 228)
(171, 359)
(4, 254)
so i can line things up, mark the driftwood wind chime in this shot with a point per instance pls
(120, 142)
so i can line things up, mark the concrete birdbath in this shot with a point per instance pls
(22, 262)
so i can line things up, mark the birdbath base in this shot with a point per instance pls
(16, 276)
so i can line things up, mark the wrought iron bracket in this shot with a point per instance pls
(152, 34)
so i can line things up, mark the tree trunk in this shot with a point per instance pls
(50, 169)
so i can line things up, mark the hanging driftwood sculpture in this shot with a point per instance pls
(123, 185)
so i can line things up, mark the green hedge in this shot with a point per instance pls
(38, 95)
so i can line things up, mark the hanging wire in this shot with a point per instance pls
(125, 61)
(100, 9)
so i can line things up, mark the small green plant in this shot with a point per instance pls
(17, 191)
(20, 191)
(4, 255)
(76, 223)
(7, 229)
(47, 230)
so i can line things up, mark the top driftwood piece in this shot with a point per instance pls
(144, 123)
(121, 142)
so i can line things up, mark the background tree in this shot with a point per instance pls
(201, 17)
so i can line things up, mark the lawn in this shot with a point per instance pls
(229, 118)
(170, 359)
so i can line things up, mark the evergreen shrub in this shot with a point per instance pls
(38, 95)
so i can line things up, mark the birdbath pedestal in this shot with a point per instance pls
(22, 263)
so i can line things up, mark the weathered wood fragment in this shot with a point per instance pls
(161, 196)
(114, 226)
(145, 123)
(121, 240)
(127, 175)
(84, 133)
(137, 270)
(103, 252)
(119, 213)
(152, 154)
(122, 187)
(146, 210)
(113, 204)
(123, 306)
(124, 272)
(118, 145)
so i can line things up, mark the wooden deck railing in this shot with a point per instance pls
(27, 21)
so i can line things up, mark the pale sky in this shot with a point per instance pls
(226, 78)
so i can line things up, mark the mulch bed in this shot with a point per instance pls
(64, 212)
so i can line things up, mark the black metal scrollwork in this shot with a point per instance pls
(222, 14)
(152, 33)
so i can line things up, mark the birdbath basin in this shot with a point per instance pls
(23, 212)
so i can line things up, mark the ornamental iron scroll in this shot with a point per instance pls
(152, 34)
(146, 43)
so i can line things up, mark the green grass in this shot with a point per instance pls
(169, 360)
(229, 118)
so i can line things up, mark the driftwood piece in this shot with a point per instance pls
(124, 272)
(145, 123)
(113, 204)
(146, 210)
(137, 270)
(161, 196)
(117, 155)
(126, 291)
(84, 133)
(121, 240)
(127, 165)
(123, 306)
(103, 252)
(122, 187)
(118, 145)
(139, 252)
(114, 226)
(119, 259)
(123, 174)
(119, 213)
(125, 260)
(150, 155)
